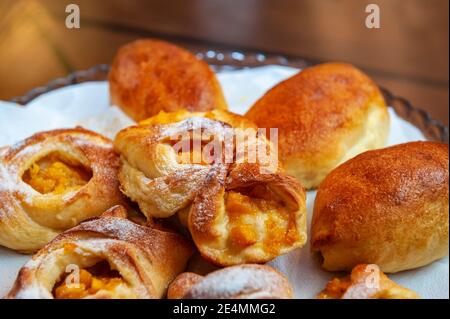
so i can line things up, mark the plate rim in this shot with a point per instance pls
(222, 60)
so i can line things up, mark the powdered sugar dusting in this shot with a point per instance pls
(247, 280)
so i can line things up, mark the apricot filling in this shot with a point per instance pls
(91, 280)
(246, 209)
(336, 288)
(56, 173)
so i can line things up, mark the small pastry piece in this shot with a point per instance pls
(148, 76)
(366, 282)
(247, 217)
(237, 282)
(325, 115)
(106, 257)
(51, 182)
(387, 207)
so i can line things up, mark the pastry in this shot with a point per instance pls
(230, 118)
(237, 282)
(161, 167)
(236, 212)
(156, 174)
(387, 207)
(243, 216)
(148, 76)
(325, 115)
(51, 182)
(106, 257)
(365, 282)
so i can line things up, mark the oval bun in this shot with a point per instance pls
(325, 115)
(387, 207)
(148, 76)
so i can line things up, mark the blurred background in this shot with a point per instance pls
(408, 54)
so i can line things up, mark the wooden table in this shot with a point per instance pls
(408, 54)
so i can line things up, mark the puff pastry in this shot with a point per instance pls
(52, 181)
(162, 178)
(325, 115)
(387, 207)
(106, 257)
(236, 212)
(243, 216)
(148, 76)
(365, 282)
(155, 174)
(237, 282)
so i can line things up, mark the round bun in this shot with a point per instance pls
(387, 207)
(148, 76)
(325, 115)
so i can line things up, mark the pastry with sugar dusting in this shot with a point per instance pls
(236, 212)
(52, 181)
(366, 282)
(248, 281)
(105, 257)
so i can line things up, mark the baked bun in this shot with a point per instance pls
(387, 207)
(325, 115)
(52, 181)
(106, 257)
(148, 76)
(238, 282)
(366, 282)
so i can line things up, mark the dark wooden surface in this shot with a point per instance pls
(408, 54)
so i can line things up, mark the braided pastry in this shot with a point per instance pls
(107, 257)
(237, 282)
(366, 282)
(51, 182)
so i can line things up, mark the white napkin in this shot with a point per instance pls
(87, 104)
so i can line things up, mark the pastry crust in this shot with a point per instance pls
(387, 207)
(238, 212)
(28, 218)
(325, 115)
(151, 173)
(366, 282)
(237, 282)
(146, 259)
(148, 76)
(247, 217)
(230, 118)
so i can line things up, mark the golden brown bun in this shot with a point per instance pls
(366, 282)
(325, 115)
(238, 282)
(30, 215)
(387, 207)
(145, 259)
(148, 76)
